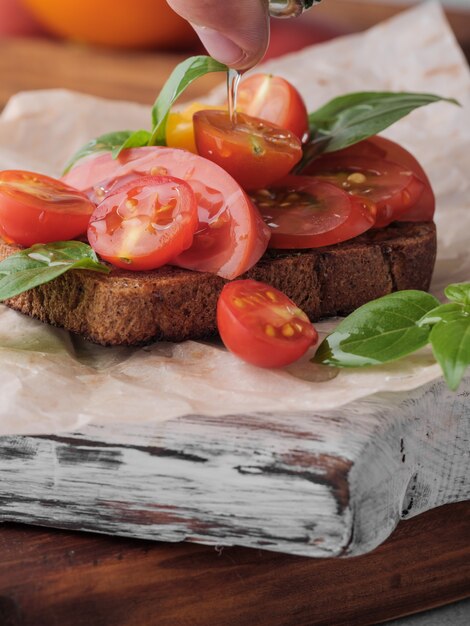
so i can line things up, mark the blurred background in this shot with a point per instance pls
(49, 43)
(152, 24)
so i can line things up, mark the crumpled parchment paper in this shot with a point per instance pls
(51, 381)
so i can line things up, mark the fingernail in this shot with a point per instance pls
(219, 46)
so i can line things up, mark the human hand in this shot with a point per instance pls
(234, 33)
(16, 20)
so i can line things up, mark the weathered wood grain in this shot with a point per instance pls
(52, 578)
(334, 484)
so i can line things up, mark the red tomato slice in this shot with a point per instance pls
(145, 223)
(256, 153)
(275, 100)
(261, 325)
(380, 148)
(388, 185)
(231, 236)
(38, 209)
(305, 213)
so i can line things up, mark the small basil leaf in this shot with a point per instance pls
(378, 332)
(138, 139)
(445, 312)
(181, 77)
(450, 343)
(42, 263)
(348, 119)
(458, 292)
(103, 143)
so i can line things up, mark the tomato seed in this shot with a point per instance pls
(293, 197)
(165, 207)
(271, 295)
(357, 178)
(288, 330)
(159, 171)
(270, 330)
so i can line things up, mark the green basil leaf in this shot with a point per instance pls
(348, 119)
(445, 312)
(450, 343)
(103, 143)
(138, 139)
(42, 263)
(458, 292)
(378, 332)
(181, 77)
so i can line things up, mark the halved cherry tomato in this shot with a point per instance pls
(305, 213)
(231, 236)
(38, 209)
(256, 153)
(388, 185)
(262, 325)
(145, 223)
(275, 100)
(180, 128)
(381, 148)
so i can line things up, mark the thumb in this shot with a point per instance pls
(234, 33)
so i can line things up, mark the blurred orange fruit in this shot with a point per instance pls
(117, 23)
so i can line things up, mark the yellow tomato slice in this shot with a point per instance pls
(179, 126)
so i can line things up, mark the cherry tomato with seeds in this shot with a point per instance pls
(144, 224)
(261, 325)
(230, 237)
(274, 99)
(303, 212)
(35, 208)
(256, 153)
(377, 147)
(423, 210)
(388, 185)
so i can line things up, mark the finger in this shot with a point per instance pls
(234, 33)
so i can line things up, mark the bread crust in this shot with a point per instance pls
(172, 304)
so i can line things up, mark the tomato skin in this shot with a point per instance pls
(274, 99)
(180, 128)
(231, 236)
(35, 208)
(145, 223)
(424, 209)
(256, 153)
(380, 148)
(261, 325)
(306, 213)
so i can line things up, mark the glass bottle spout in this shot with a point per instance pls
(289, 8)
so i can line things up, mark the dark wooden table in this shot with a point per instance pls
(57, 578)
(50, 578)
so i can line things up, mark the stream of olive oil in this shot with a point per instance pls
(233, 80)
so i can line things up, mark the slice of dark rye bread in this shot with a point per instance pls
(131, 308)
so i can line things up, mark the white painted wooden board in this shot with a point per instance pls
(334, 484)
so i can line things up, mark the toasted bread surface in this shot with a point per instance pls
(132, 308)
